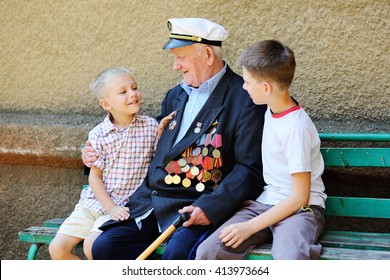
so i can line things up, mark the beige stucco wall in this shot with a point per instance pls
(51, 49)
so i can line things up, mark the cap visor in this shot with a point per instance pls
(174, 43)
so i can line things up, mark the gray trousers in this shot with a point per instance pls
(294, 238)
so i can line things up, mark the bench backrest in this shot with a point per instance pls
(357, 157)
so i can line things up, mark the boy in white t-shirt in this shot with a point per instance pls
(289, 212)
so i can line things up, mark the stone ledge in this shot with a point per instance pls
(28, 159)
(43, 139)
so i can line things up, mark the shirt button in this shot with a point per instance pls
(154, 192)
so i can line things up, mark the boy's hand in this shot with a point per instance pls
(234, 234)
(164, 122)
(119, 213)
(88, 154)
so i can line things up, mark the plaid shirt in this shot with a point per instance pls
(124, 158)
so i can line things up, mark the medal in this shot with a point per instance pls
(206, 176)
(217, 175)
(194, 170)
(200, 187)
(186, 182)
(197, 128)
(172, 125)
(185, 168)
(182, 162)
(205, 151)
(176, 179)
(196, 152)
(168, 179)
(216, 153)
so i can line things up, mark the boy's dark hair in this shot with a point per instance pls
(270, 59)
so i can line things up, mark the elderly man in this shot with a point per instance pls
(208, 160)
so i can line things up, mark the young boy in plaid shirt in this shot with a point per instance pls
(125, 142)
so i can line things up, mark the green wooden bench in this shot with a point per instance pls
(336, 244)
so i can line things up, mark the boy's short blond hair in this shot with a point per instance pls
(98, 84)
(270, 59)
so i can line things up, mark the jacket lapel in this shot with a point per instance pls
(171, 135)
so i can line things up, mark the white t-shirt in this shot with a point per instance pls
(290, 145)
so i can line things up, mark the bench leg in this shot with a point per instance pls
(32, 252)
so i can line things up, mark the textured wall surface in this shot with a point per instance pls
(51, 50)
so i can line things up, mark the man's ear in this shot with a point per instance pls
(210, 55)
(105, 104)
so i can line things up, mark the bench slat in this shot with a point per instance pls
(356, 240)
(356, 157)
(328, 253)
(56, 223)
(357, 207)
(363, 137)
(40, 235)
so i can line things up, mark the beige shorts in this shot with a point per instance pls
(82, 221)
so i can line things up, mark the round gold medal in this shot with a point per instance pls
(200, 187)
(186, 182)
(168, 179)
(206, 176)
(176, 179)
(205, 151)
(216, 153)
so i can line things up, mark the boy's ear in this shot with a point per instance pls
(104, 103)
(267, 88)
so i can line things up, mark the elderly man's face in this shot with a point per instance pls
(192, 61)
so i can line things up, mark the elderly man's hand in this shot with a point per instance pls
(198, 217)
(88, 154)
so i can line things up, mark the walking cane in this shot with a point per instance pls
(182, 218)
